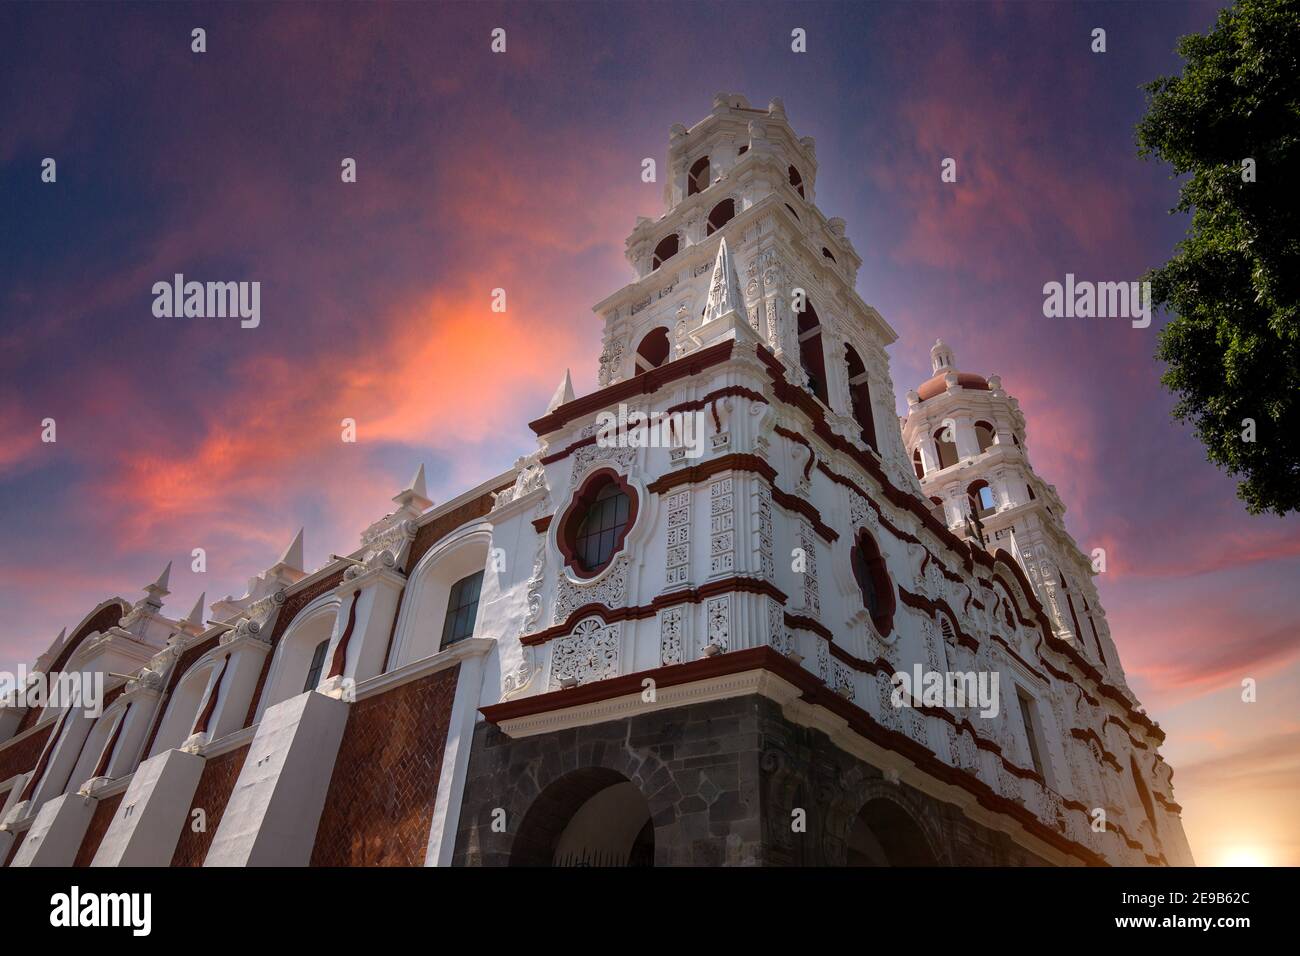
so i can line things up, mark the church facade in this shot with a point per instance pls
(745, 648)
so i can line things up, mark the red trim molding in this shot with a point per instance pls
(644, 384)
(741, 585)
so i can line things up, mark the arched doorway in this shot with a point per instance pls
(591, 817)
(884, 834)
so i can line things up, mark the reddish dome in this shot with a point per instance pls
(937, 386)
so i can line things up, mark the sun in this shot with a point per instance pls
(1244, 856)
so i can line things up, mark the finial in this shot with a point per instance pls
(195, 617)
(414, 494)
(563, 395)
(154, 593)
(724, 286)
(292, 557)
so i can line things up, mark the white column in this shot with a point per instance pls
(148, 821)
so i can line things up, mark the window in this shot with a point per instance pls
(317, 665)
(1031, 730)
(742, 151)
(943, 444)
(873, 580)
(860, 396)
(811, 356)
(918, 464)
(666, 249)
(595, 524)
(462, 609)
(721, 214)
(826, 253)
(698, 179)
(981, 498)
(985, 435)
(796, 180)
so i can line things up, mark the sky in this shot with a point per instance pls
(522, 171)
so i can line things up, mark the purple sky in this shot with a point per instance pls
(522, 171)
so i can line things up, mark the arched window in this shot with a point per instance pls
(698, 179)
(860, 396)
(1031, 730)
(653, 350)
(826, 253)
(720, 215)
(981, 498)
(944, 445)
(796, 180)
(1143, 794)
(596, 523)
(811, 356)
(317, 665)
(985, 435)
(666, 249)
(1030, 489)
(918, 464)
(462, 609)
(873, 580)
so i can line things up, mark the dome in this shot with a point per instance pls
(937, 386)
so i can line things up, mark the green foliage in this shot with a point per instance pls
(1233, 284)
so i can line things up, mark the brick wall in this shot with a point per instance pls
(212, 794)
(99, 821)
(380, 802)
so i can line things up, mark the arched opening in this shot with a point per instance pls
(666, 249)
(720, 215)
(860, 396)
(182, 709)
(985, 435)
(295, 655)
(884, 834)
(917, 464)
(873, 581)
(698, 179)
(590, 817)
(795, 180)
(945, 446)
(422, 625)
(826, 254)
(653, 350)
(792, 212)
(981, 498)
(811, 356)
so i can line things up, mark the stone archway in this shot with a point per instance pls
(589, 817)
(885, 834)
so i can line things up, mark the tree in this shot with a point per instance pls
(1233, 282)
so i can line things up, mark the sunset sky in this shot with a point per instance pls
(522, 171)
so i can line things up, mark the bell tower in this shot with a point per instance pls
(966, 438)
(740, 194)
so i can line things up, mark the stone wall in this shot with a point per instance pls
(722, 780)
